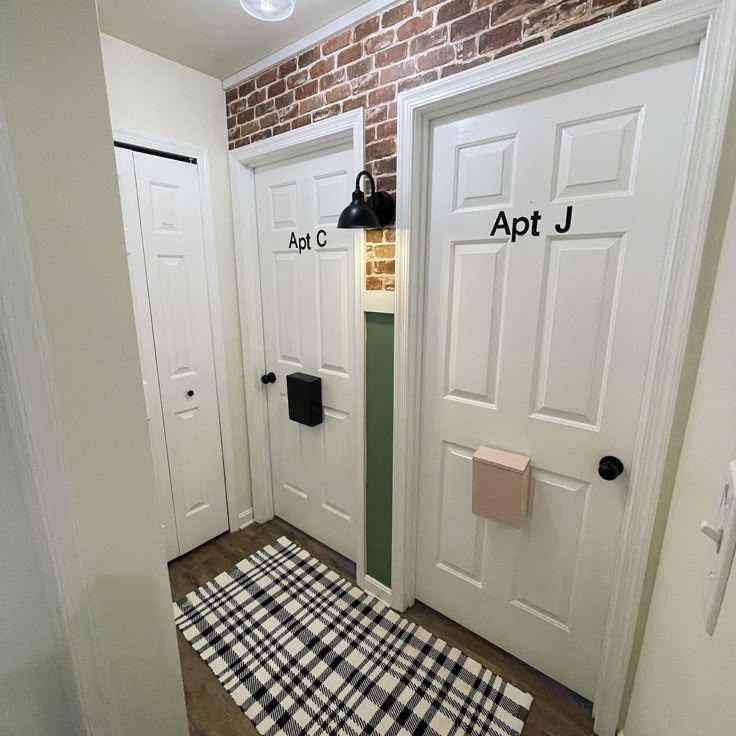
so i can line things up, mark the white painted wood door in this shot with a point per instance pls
(173, 244)
(541, 346)
(308, 321)
(146, 348)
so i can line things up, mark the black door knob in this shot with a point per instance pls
(268, 378)
(610, 468)
(190, 393)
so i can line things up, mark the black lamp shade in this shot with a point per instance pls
(377, 212)
(358, 215)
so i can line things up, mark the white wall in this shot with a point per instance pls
(685, 684)
(52, 90)
(36, 672)
(150, 94)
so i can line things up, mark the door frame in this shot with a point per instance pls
(234, 482)
(319, 136)
(654, 30)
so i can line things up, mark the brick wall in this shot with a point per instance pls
(408, 44)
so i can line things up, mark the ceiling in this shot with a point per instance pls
(214, 36)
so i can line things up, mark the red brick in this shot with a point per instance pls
(370, 135)
(288, 67)
(374, 284)
(301, 122)
(376, 115)
(418, 81)
(354, 103)
(428, 40)
(263, 80)
(288, 112)
(260, 135)
(366, 28)
(310, 104)
(282, 128)
(424, 4)
(414, 26)
(326, 112)
(386, 93)
(387, 130)
(386, 183)
(295, 80)
(451, 69)
(246, 88)
(505, 10)
(309, 57)
(336, 94)
(255, 98)
(381, 149)
(246, 116)
(397, 14)
(379, 41)
(364, 84)
(350, 54)
(398, 71)
(231, 95)
(325, 66)
(453, 9)
(277, 88)
(306, 90)
(332, 79)
(286, 99)
(437, 57)
(336, 42)
(471, 25)
(499, 36)
(360, 68)
(554, 15)
(390, 56)
(468, 49)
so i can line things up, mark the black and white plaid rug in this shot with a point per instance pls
(302, 651)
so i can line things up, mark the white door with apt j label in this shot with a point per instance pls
(541, 346)
(308, 288)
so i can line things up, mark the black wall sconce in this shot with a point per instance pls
(378, 211)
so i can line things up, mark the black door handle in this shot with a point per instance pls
(268, 378)
(190, 393)
(609, 468)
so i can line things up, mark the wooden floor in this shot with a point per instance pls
(556, 711)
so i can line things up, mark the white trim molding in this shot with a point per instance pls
(379, 301)
(351, 18)
(245, 518)
(665, 26)
(378, 589)
(235, 485)
(326, 134)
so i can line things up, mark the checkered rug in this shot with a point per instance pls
(302, 651)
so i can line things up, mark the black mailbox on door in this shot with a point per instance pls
(305, 399)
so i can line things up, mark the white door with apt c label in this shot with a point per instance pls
(309, 301)
(542, 347)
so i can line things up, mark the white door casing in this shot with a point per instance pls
(654, 30)
(146, 346)
(309, 302)
(541, 346)
(171, 224)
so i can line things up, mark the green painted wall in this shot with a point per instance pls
(379, 352)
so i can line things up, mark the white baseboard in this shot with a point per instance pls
(378, 589)
(245, 518)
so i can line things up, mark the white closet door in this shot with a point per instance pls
(146, 349)
(169, 202)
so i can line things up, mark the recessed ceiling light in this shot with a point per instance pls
(268, 9)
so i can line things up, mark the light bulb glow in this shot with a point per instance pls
(268, 9)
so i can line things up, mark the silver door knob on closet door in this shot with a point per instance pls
(609, 468)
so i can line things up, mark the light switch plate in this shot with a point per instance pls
(720, 555)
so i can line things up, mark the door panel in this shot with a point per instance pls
(168, 195)
(308, 319)
(541, 346)
(146, 348)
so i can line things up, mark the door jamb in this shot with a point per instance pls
(234, 482)
(325, 134)
(653, 30)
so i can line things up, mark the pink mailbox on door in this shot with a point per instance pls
(500, 486)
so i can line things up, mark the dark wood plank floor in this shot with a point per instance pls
(556, 711)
